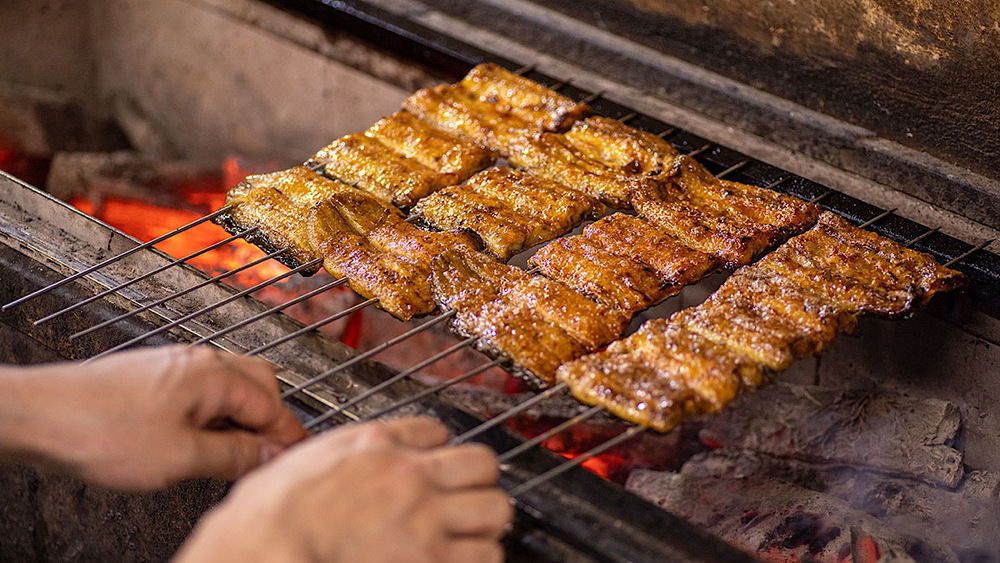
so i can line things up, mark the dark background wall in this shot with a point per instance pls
(924, 73)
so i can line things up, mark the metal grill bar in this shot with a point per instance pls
(500, 418)
(151, 273)
(314, 326)
(434, 389)
(204, 310)
(271, 311)
(537, 440)
(394, 379)
(177, 294)
(114, 259)
(562, 468)
(376, 350)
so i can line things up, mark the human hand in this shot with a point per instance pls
(145, 419)
(368, 492)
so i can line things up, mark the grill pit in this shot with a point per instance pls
(947, 357)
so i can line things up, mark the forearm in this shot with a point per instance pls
(25, 433)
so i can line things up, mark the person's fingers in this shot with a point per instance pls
(257, 369)
(417, 432)
(472, 549)
(459, 467)
(226, 454)
(480, 512)
(250, 405)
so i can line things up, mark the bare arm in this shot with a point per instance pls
(145, 419)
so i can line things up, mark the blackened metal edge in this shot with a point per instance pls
(441, 54)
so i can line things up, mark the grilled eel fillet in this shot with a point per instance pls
(789, 305)
(275, 204)
(510, 210)
(600, 156)
(534, 322)
(357, 235)
(495, 108)
(624, 262)
(401, 159)
(733, 221)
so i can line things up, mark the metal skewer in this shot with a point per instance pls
(271, 311)
(698, 151)
(116, 258)
(591, 98)
(314, 326)
(970, 252)
(362, 357)
(123, 285)
(396, 378)
(204, 310)
(732, 169)
(923, 236)
(565, 425)
(435, 388)
(500, 418)
(877, 218)
(177, 294)
(564, 467)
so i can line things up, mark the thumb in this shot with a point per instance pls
(228, 454)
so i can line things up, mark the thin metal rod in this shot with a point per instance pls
(823, 195)
(392, 380)
(500, 418)
(565, 425)
(314, 326)
(123, 285)
(559, 85)
(666, 132)
(271, 311)
(701, 150)
(591, 98)
(928, 233)
(732, 169)
(562, 468)
(970, 252)
(362, 357)
(776, 183)
(628, 117)
(204, 310)
(533, 270)
(435, 388)
(525, 69)
(114, 259)
(877, 218)
(178, 294)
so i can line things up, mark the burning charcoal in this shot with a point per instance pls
(966, 518)
(780, 521)
(895, 434)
